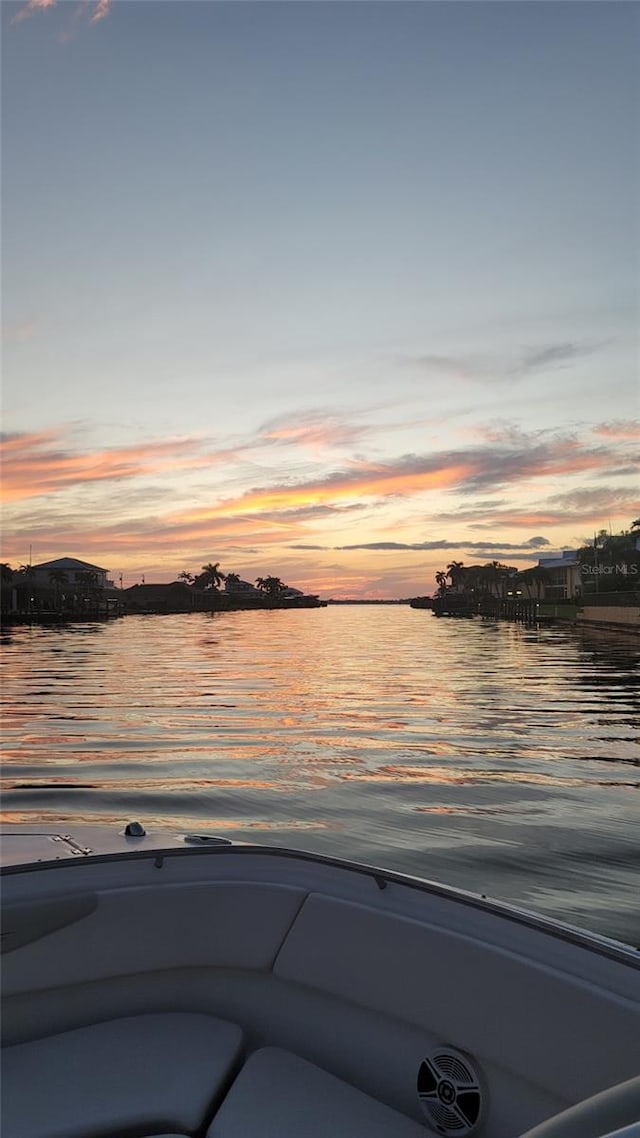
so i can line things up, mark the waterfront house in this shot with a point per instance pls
(65, 587)
(76, 573)
(242, 590)
(563, 581)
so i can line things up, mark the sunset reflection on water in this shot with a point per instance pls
(492, 756)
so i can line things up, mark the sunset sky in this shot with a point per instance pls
(338, 292)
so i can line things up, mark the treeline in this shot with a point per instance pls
(28, 592)
(26, 574)
(611, 562)
(211, 578)
(493, 578)
(33, 594)
(608, 562)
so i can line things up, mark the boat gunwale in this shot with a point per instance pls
(615, 950)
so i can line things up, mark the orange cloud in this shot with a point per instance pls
(130, 513)
(365, 480)
(32, 466)
(14, 443)
(474, 469)
(146, 539)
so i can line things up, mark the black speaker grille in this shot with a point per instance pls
(453, 1067)
(451, 1092)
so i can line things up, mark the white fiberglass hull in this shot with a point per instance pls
(379, 982)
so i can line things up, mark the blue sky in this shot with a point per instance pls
(255, 252)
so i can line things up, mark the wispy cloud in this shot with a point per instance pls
(551, 356)
(37, 464)
(598, 498)
(18, 441)
(582, 504)
(313, 513)
(100, 11)
(30, 9)
(120, 502)
(466, 471)
(501, 367)
(534, 543)
(428, 546)
(508, 464)
(94, 11)
(403, 477)
(316, 430)
(619, 429)
(19, 331)
(449, 366)
(509, 433)
(40, 464)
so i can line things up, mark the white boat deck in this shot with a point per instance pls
(328, 984)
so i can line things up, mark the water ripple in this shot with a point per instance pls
(492, 756)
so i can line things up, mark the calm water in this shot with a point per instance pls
(498, 758)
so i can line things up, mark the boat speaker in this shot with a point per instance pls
(452, 1092)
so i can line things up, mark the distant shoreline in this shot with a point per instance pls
(357, 601)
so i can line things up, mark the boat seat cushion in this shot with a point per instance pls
(150, 1073)
(279, 1095)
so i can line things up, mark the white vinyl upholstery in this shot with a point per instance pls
(152, 1073)
(599, 1117)
(137, 930)
(279, 1095)
(346, 950)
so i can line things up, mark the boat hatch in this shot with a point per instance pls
(21, 848)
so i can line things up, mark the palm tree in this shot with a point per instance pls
(87, 579)
(210, 577)
(26, 583)
(498, 575)
(456, 573)
(188, 578)
(87, 582)
(491, 577)
(58, 578)
(474, 579)
(273, 586)
(7, 576)
(441, 580)
(233, 579)
(540, 576)
(613, 557)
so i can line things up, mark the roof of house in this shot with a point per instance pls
(240, 587)
(70, 563)
(566, 560)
